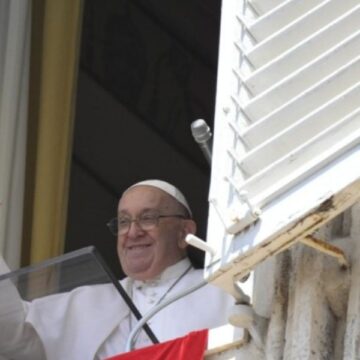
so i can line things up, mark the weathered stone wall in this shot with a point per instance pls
(309, 304)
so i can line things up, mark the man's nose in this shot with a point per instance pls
(134, 229)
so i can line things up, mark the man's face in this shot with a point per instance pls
(145, 254)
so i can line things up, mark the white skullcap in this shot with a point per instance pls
(169, 189)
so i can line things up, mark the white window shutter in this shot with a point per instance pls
(286, 151)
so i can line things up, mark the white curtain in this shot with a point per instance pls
(14, 76)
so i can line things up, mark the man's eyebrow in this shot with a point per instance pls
(123, 214)
(145, 210)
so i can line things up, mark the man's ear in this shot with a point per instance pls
(189, 227)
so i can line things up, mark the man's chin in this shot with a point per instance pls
(136, 272)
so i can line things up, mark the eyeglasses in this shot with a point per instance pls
(121, 225)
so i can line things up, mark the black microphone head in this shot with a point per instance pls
(200, 131)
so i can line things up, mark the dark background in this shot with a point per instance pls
(147, 71)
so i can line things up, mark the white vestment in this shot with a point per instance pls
(93, 322)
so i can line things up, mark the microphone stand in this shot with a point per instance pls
(156, 309)
(126, 298)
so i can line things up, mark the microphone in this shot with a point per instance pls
(202, 135)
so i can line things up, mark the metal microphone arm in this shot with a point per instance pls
(202, 135)
(156, 309)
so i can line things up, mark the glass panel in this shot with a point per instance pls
(62, 274)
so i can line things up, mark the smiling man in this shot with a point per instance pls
(93, 322)
(151, 225)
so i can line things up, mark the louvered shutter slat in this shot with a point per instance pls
(280, 16)
(305, 51)
(311, 72)
(270, 167)
(325, 115)
(309, 99)
(299, 30)
(263, 6)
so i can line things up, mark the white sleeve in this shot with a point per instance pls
(18, 339)
(3, 266)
